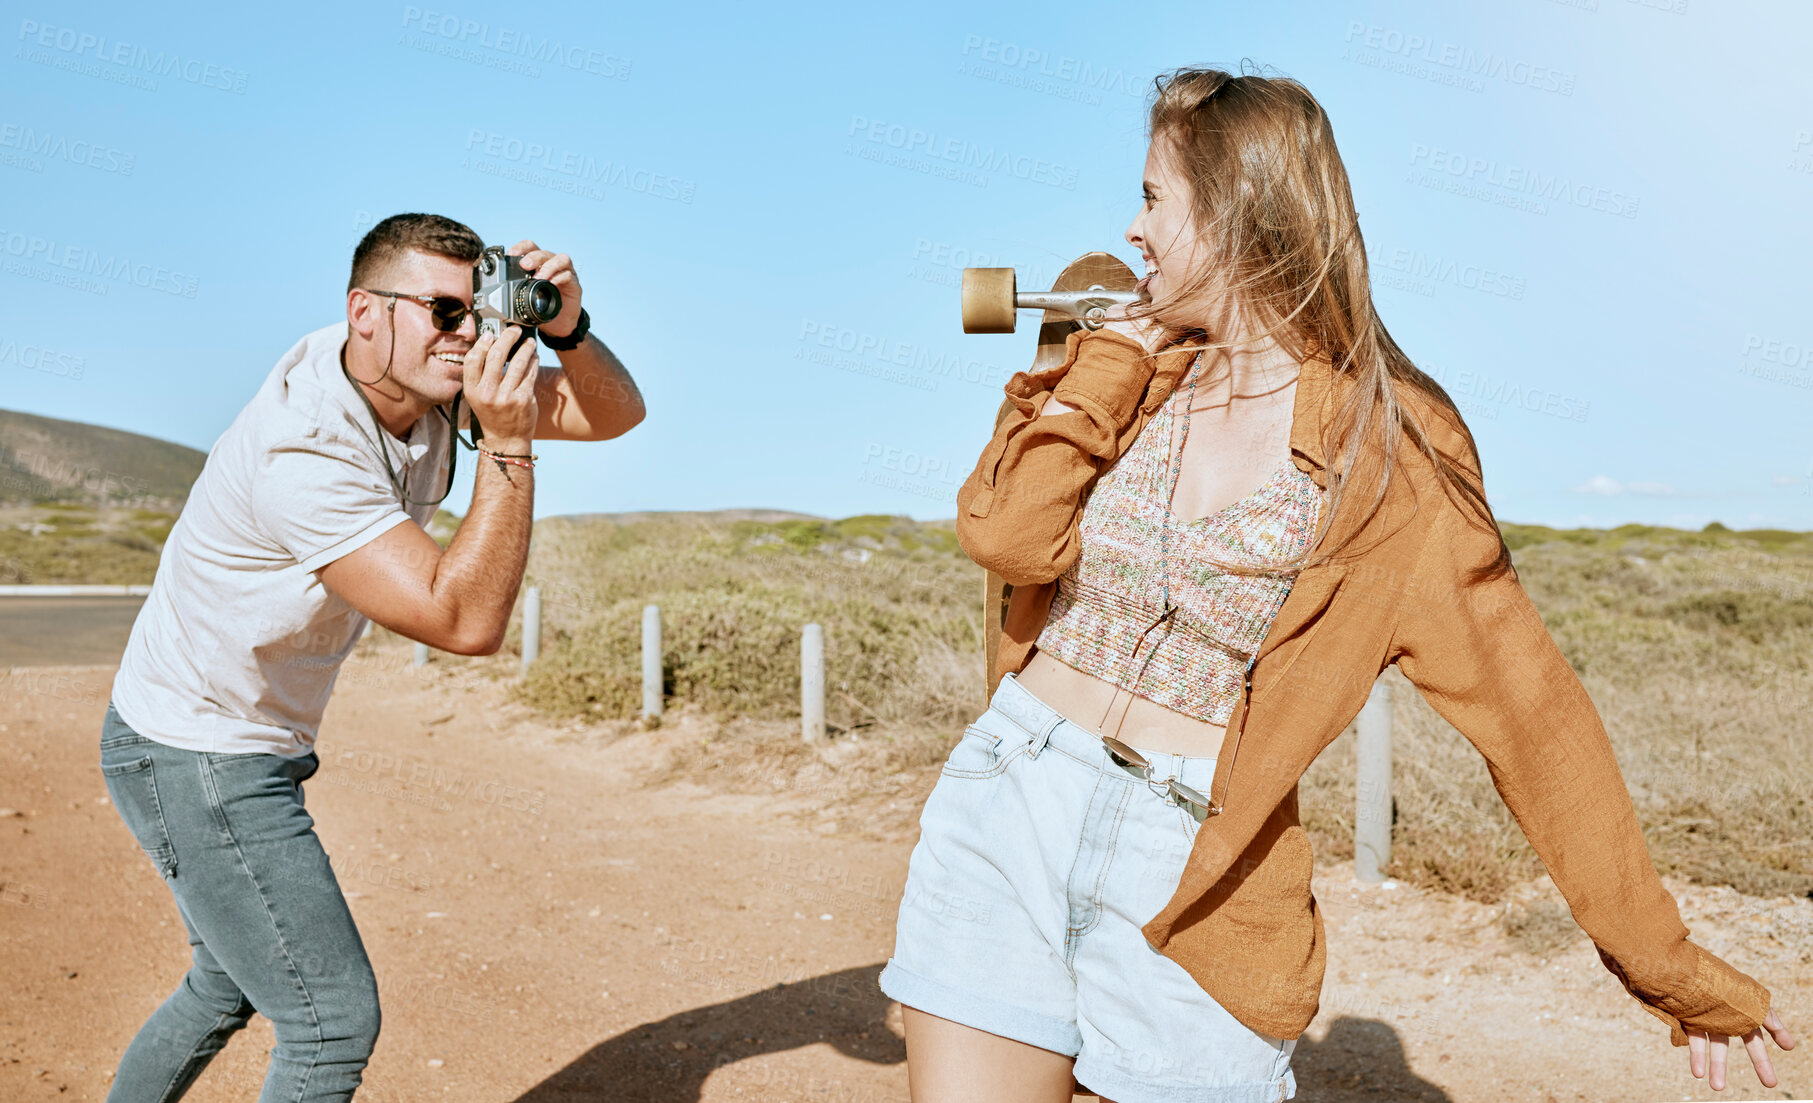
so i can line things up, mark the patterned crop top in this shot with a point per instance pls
(1196, 661)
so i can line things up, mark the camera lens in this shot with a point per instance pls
(537, 302)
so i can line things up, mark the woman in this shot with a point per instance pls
(1223, 516)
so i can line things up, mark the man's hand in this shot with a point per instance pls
(1699, 1041)
(591, 395)
(557, 269)
(459, 600)
(502, 392)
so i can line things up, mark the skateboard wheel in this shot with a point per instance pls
(988, 300)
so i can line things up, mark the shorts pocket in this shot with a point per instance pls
(1187, 826)
(979, 754)
(132, 784)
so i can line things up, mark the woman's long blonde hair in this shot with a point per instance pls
(1273, 207)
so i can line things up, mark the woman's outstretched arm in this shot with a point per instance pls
(1480, 654)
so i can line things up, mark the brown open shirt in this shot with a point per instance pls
(1242, 921)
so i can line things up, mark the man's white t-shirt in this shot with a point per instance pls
(238, 644)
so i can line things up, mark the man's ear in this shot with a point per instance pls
(362, 313)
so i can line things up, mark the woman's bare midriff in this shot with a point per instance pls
(1139, 723)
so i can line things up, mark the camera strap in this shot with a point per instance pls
(453, 452)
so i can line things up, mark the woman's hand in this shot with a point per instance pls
(1697, 1046)
(1140, 331)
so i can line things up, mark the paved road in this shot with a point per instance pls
(65, 631)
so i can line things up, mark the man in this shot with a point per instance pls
(307, 521)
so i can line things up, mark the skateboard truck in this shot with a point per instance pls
(991, 300)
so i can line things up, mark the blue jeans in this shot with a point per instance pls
(1038, 861)
(268, 925)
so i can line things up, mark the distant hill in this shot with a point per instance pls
(44, 459)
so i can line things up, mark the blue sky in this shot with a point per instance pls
(1588, 219)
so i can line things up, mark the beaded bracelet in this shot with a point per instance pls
(518, 459)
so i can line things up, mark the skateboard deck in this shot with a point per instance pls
(1091, 270)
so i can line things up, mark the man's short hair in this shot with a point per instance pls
(386, 243)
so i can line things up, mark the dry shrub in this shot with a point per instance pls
(1697, 650)
(89, 544)
(899, 604)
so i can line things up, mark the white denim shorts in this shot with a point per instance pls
(1039, 859)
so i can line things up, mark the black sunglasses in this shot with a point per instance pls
(446, 312)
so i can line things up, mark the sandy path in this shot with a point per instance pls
(545, 928)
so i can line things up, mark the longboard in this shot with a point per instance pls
(1087, 272)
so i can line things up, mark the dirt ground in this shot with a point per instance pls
(547, 926)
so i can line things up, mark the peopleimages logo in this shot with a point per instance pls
(58, 147)
(28, 250)
(1777, 361)
(1037, 70)
(1521, 180)
(1789, 354)
(960, 153)
(943, 263)
(1473, 277)
(66, 365)
(1457, 59)
(80, 49)
(546, 50)
(1029, 59)
(571, 170)
(1798, 161)
(63, 472)
(873, 354)
(910, 472)
(1475, 383)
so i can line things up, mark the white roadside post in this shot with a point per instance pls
(421, 654)
(1372, 786)
(651, 664)
(812, 683)
(531, 627)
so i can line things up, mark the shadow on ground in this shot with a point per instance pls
(1359, 1059)
(668, 1061)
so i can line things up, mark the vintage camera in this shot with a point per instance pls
(504, 295)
